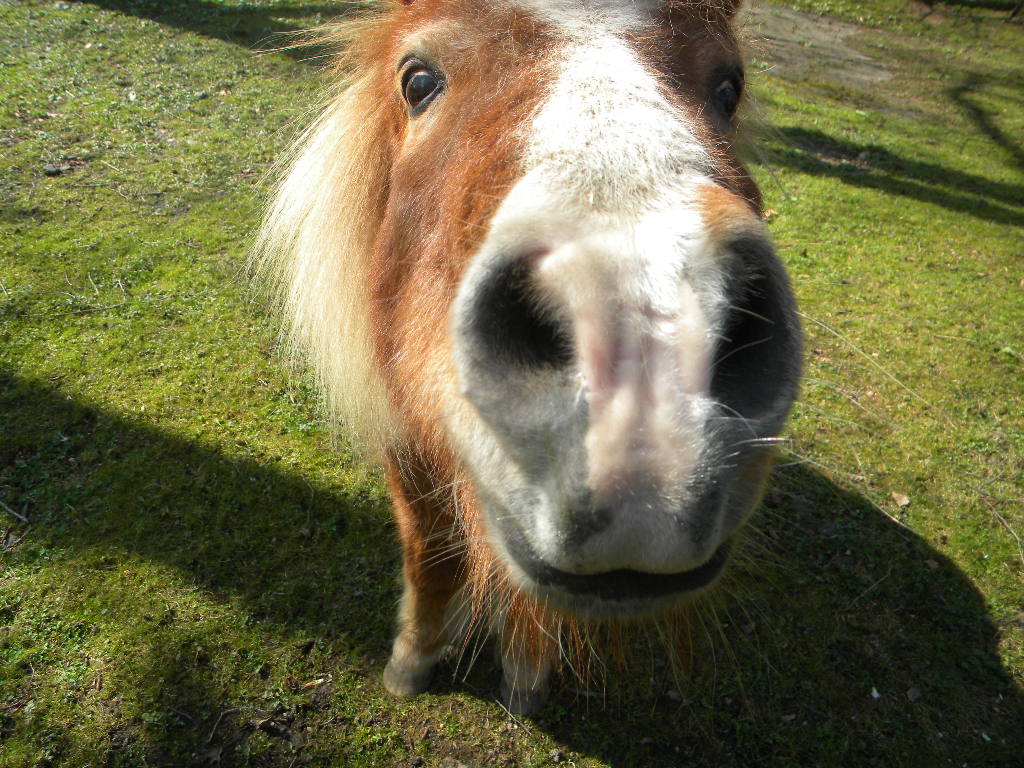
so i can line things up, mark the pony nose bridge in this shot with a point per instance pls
(648, 421)
(645, 367)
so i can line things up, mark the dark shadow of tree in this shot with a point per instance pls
(866, 641)
(867, 646)
(251, 25)
(961, 96)
(992, 5)
(293, 554)
(814, 152)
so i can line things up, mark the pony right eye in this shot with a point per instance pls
(420, 85)
(727, 97)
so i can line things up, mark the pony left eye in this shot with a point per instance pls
(420, 86)
(727, 97)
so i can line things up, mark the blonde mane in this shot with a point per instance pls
(317, 238)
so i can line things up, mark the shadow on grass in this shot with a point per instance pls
(866, 646)
(961, 96)
(250, 25)
(298, 560)
(869, 647)
(867, 165)
(992, 5)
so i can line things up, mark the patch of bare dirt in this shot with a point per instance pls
(799, 46)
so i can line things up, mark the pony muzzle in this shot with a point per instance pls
(624, 388)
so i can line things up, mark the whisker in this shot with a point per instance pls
(876, 365)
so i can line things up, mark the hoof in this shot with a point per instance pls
(404, 681)
(523, 701)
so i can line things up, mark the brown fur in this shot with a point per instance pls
(422, 211)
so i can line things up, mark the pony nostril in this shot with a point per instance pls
(756, 369)
(512, 324)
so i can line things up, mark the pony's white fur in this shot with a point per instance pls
(315, 246)
(611, 172)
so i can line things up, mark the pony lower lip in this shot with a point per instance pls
(618, 586)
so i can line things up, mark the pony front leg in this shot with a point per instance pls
(528, 650)
(433, 574)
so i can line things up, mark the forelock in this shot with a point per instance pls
(578, 15)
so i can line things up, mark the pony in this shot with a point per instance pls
(521, 255)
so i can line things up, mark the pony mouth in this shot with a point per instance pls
(620, 592)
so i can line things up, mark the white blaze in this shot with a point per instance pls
(607, 139)
(611, 169)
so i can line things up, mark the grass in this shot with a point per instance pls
(207, 577)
